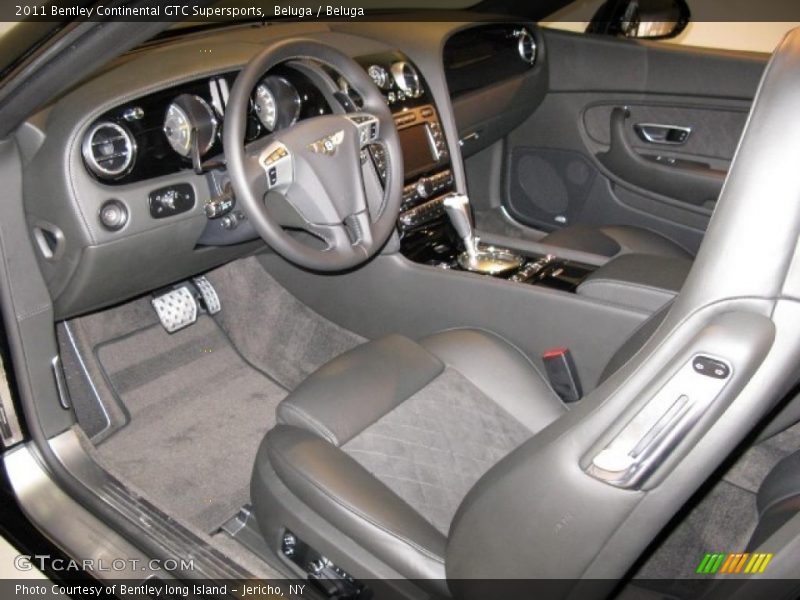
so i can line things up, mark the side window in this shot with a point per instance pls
(747, 36)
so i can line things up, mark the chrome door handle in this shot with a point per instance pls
(654, 133)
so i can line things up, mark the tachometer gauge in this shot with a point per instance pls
(276, 103)
(266, 108)
(189, 113)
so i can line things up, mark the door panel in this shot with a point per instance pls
(564, 165)
(715, 130)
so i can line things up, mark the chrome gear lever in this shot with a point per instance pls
(457, 207)
(486, 260)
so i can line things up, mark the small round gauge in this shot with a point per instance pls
(276, 102)
(380, 76)
(266, 108)
(185, 114)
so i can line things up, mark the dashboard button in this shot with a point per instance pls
(113, 215)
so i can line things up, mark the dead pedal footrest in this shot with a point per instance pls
(176, 308)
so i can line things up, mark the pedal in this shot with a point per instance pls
(176, 309)
(209, 294)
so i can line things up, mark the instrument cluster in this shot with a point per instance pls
(181, 127)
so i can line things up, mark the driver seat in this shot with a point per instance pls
(374, 452)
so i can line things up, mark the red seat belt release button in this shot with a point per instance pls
(562, 374)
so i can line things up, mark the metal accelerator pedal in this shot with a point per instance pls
(178, 307)
(208, 294)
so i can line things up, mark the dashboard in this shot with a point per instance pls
(153, 135)
(124, 174)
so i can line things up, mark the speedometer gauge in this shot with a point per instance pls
(266, 108)
(276, 102)
(189, 113)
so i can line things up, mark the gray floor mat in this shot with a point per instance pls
(97, 410)
(721, 522)
(272, 329)
(749, 471)
(197, 414)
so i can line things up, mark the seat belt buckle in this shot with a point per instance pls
(562, 374)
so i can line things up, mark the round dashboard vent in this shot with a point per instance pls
(407, 79)
(526, 46)
(108, 149)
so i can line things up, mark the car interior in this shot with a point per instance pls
(400, 308)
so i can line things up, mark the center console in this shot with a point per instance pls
(431, 232)
(426, 157)
(435, 222)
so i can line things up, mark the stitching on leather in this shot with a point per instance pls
(654, 293)
(277, 454)
(633, 284)
(42, 308)
(314, 423)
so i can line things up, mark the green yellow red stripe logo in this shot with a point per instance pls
(731, 564)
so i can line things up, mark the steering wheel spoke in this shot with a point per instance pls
(277, 162)
(368, 127)
(343, 238)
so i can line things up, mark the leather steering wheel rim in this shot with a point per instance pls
(324, 185)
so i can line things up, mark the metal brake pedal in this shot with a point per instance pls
(208, 294)
(176, 308)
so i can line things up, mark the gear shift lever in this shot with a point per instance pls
(457, 207)
(487, 260)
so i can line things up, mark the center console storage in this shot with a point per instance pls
(438, 245)
(640, 281)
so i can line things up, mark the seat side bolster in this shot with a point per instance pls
(348, 496)
(501, 372)
(354, 390)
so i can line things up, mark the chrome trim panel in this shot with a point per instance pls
(10, 431)
(647, 441)
(74, 529)
(170, 535)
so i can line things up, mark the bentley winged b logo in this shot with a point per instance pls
(329, 144)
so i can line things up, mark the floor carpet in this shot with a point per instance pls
(197, 414)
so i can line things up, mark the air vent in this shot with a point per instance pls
(526, 46)
(108, 150)
(407, 79)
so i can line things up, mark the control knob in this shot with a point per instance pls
(167, 200)
(424, 187)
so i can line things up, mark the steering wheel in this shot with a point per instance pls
(318, 167)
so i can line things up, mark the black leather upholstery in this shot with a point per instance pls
(346, 494)
(331, 402)
(501, 372)
(615, 240)
(304, 452)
